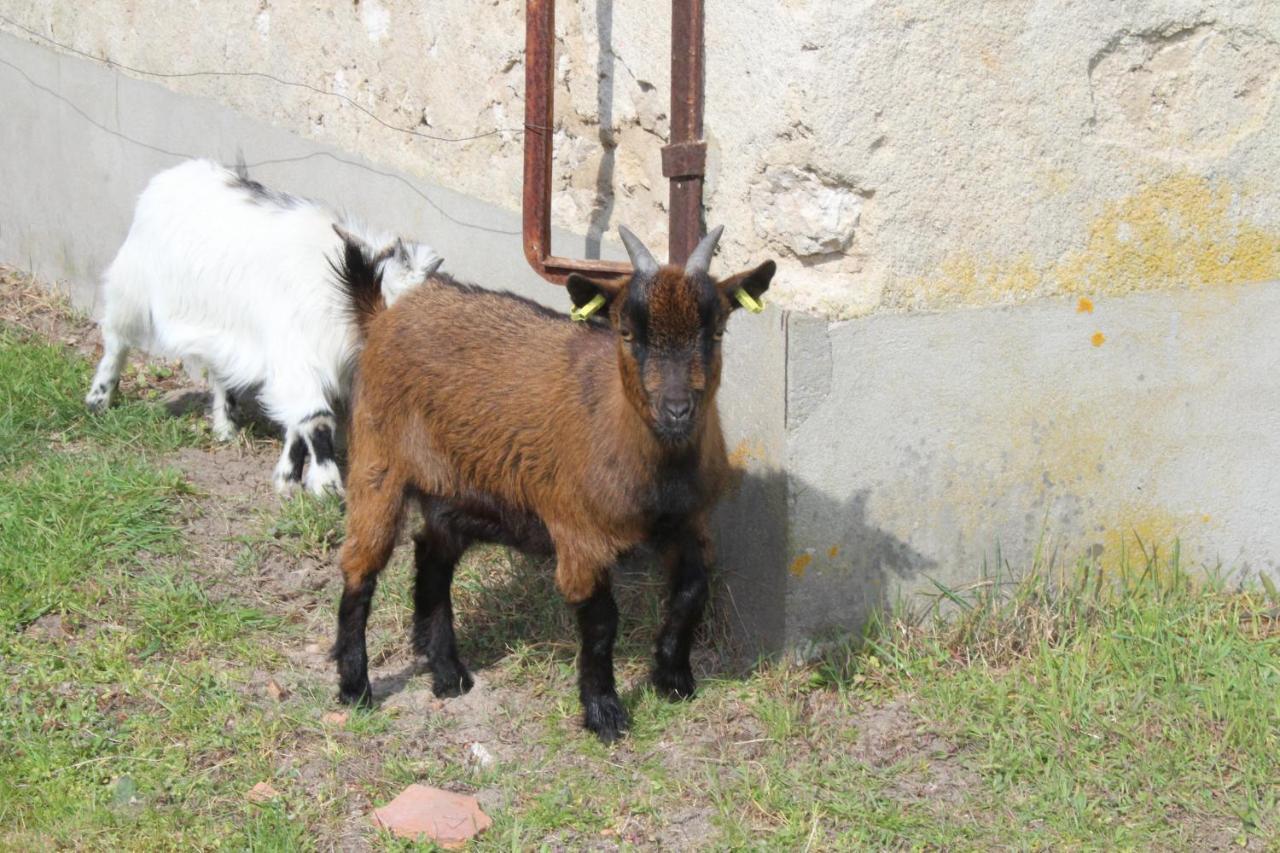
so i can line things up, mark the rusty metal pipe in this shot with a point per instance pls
(683, 161)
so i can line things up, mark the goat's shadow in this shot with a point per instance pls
(503, 599)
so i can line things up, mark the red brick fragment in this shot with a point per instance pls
(444, 817)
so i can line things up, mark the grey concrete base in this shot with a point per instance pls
(940, 447)
(880, 455)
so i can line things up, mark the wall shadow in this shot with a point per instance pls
(602, 206)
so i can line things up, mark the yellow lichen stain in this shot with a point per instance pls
(1084, 306)
(966, 279)
(745, 451)
(800, 563)
(1098, 339)
(833, 551)
(1142, 539)
(1177, 232)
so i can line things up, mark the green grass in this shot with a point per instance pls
(106, 733)
(42, 409)
(1138, 708)
(1131, 708)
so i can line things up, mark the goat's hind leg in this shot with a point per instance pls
(437, 549)
(107, 377)
(373, 519)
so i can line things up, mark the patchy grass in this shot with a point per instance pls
(164, 621)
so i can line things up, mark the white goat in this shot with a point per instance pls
(242, 283)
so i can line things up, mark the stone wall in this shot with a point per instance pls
(899, 155)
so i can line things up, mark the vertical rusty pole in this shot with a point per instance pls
(684, 159)
(539, 69)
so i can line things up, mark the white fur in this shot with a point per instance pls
(239, 284)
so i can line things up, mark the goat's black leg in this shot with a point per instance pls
(436, 553)
(602, 710)
(349, 649)
(686, 558)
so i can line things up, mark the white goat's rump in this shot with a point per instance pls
(241, 283)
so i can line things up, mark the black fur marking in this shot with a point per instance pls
(484, 518)
(602, 711)
(297, 458)
(349, 649)
(677, 492)
(321, 441)
(259, 194)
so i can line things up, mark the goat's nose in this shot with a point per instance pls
(678, 409)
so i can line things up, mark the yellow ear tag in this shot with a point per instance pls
(580, 315)
(748, 301)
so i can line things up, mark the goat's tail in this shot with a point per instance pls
(359, 278)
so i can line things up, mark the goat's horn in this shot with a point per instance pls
(641, 259)
(700, 259)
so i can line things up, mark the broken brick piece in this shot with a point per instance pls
(262, 793)
(444, 817)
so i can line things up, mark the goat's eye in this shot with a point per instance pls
(625, 334)
(717, 335)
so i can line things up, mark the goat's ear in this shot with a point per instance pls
(752, 282)
(583, 290)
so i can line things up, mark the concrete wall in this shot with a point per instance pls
(1020, 243)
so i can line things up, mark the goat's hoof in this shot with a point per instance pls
(96, 404)
(447, 682)
(326, 487)
(361, 698)
(284, 485)
(605, 717)
(224, 432)
(676, 683)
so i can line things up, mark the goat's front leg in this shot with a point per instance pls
(293, 457)
(686, 556)
(318, 432)
(224, 428)
(602, 711)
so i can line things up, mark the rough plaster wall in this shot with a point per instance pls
(909, 154)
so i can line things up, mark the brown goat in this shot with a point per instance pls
(508, 423)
